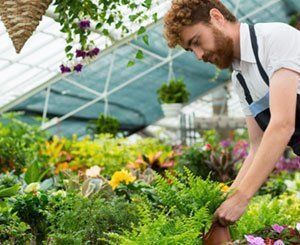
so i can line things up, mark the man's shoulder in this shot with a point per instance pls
(273, 28)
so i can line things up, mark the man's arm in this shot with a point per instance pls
(283, 98)
(255, 135)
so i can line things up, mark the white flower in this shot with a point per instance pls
(33, 187)
(61, 193)
(93, 172)
(298, 227)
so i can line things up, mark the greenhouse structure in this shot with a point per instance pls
(110, 135)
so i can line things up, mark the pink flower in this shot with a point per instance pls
(277, 228)
(225, 143)
(208, 147)
(279, 242)
(252, 240)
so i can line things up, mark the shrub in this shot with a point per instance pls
(173, 92)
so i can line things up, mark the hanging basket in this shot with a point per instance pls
(21, 18)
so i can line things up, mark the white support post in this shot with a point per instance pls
(108, 82)
(92, 91)
(56, 120)
(237, 6)
(46, 105)
(171, 74)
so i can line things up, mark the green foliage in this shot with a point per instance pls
(193, 158)
(8, 180)
(294, 19)
(31, 209)
(173, 92)
(211, 157)
(19, 143)
(265, 211)
(105, 15)
(179, 214)
(87, 220)
(165, 230)
(105, 124)
(188, 193)
(34, 173)
(12, 229)
(10, 191)
(105, 151)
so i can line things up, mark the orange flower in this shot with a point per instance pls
(61, 166)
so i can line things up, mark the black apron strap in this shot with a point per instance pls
(255, 51)
(242, 81)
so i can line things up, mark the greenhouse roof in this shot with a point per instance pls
(32, 82)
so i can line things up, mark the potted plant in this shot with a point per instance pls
(295, 20)
(105, 124)
(171, 96)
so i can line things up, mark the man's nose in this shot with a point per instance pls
(198, 53)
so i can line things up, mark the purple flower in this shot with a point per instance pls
(65, 69)
(78, 67)
(279, 242)
(93, 52)
(80, 53)
(289, 165)
(84, 24)
(240, 150)
(252, 240)
(225, 143)
(277, 228)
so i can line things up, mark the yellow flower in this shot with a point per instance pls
(224, 188)
(121, 176)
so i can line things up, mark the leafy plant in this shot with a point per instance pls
(77, 18)
(88, 219)
(31, 209)
(173, 92)
(265, 211)
(13, 230)
(180, 213)
(295, 19)
(105, 125)
(274, 235)
(19, 143)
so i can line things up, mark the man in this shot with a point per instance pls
(265, 59)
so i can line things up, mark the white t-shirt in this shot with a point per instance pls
(278, 47)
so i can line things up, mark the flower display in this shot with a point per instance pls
(120, 177)
(252, 240)
(277, 228)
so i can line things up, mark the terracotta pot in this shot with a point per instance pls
(217, 235)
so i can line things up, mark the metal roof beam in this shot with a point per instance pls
(55, 121)
(258, 10)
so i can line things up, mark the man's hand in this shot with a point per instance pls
(232, 209)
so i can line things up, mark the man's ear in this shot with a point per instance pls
(216, 17)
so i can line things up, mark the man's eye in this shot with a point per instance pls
(196, 42)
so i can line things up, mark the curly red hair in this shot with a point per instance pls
(190, 12)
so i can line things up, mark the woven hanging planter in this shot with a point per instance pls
(21, 18)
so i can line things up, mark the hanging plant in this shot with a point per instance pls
(79, 17)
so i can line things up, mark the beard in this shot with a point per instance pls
(222, 56)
